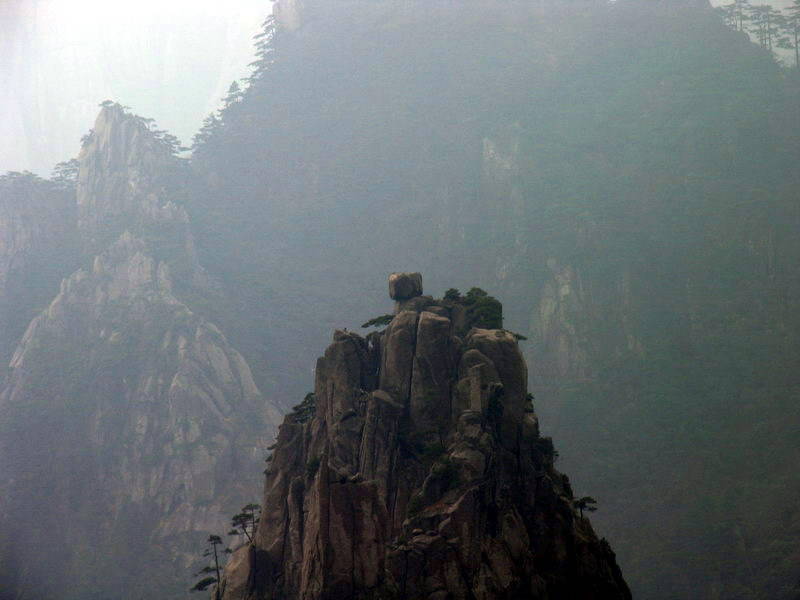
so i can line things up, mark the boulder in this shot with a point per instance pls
(404, 286)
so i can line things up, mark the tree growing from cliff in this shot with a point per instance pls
(587, 503)
(211, 573)
(246, 522)
(381, 321)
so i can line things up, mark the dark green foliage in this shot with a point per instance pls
(483, 311)
(312, 466)
(246, 522)
(452, 295)
(211, 551)
(381, 321)
(305, 411)
(203, 584)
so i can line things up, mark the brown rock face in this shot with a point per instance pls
(421, 474)
(404, 286)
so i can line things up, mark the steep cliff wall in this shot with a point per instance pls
(417, 471)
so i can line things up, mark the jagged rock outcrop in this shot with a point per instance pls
(129, 424)
(421, 474)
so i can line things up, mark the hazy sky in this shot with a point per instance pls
(167, 59)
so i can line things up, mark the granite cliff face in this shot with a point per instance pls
(129, 424)
(416, 470)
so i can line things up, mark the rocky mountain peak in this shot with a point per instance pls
(124, 174)
(416, 470)
(164, 424)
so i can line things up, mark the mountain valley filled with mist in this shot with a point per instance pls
(583, 382)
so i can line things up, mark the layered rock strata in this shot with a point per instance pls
(417, 471)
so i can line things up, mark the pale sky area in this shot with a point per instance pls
(171, 60)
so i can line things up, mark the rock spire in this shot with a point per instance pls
(416, 470)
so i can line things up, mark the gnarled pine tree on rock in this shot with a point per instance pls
(432, 481)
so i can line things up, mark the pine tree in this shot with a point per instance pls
(265, 50)
(741, 8)
(65, 174)
(792, 30)
(246, 522)
(736, 14)
(587, 503)
(235, 94)
(212, 573)
(765, 25)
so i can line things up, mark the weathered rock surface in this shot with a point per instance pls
(132, 162)
(422, 474)
(404, 286)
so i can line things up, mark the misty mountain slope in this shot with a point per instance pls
(624, 174)
(37, 246)
(130, 426)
